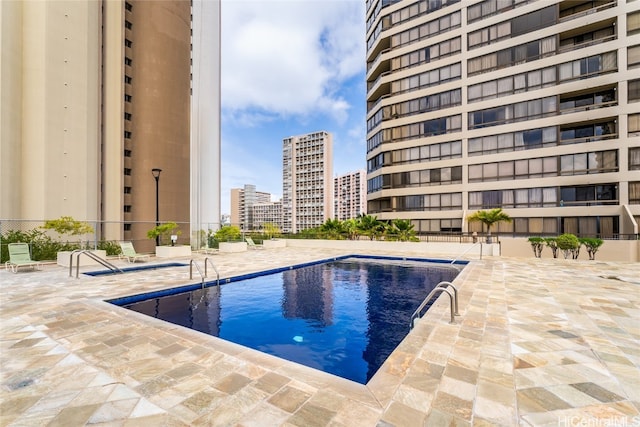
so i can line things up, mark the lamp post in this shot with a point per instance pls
(156, 175)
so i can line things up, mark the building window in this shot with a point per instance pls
(128, 43)
(633, 56)
(128, 6)
(634, 158)
(438, 101)
(127, 208)
(127, 153)
(633, 87)
(425, 55)
(427, 79)
(634, 193)
(127, 190)
(127, 98)
(127, 227)
(127, 61)
(430, 29)
(634, 124)
(633, 23)
(489, 8)
(570, 164)
(128, 79)
(589, 195)
(512, 113)
(600, 99)
(127, 116)
(517, 26)
(513, 141)
(128, 25)
(511, 56)
(127, 134)
(127, 171)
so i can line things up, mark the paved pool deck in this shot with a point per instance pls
(539, 342)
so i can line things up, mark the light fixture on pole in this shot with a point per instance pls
(156, 175)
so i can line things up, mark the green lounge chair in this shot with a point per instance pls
(251, 244)
(130, 254)
(19, 256)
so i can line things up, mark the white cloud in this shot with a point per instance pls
(283, 58)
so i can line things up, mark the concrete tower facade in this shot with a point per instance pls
(529, 106)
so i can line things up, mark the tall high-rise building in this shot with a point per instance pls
(350, 195)
(529, 106)
(242, 202)
(307, 183)
(94, 96)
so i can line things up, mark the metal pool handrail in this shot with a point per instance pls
(94, 257)
(191, 263)
(455, 293)
(214, 268)
(468, 249)
(440, 287)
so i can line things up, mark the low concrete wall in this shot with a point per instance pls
(173, 251)
(611, 250)
(410, 248)
(233, 246)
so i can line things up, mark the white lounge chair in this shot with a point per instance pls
(251, 244)
(130, 254)
(20, 256)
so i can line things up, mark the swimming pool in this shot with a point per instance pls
(344, 317)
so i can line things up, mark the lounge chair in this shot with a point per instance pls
(130, 253)
(251, 244)
(19, 256)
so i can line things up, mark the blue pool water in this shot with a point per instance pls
(343, 317)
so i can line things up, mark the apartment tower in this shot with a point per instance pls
(95, 95)
(242, 202)
(350, 195)
(529, 106)
(307, 183)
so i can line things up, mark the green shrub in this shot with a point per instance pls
(537, 244)
(228, 233)
(551, 243)
(164, 231)
(592, 244)
(112, 248)
(569, 244)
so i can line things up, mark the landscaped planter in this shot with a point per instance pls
(173, 251)
(233, 246)
(274, 243)
(63, 258)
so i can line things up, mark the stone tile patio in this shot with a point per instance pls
(544, 342)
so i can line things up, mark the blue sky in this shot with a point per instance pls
(289, 67)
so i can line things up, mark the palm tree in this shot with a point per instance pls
(370, 226)
(402, 229)
(332, 228)
(350, 226)
(489, 218)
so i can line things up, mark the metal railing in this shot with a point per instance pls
(101, 261)
(191, 264)
(203, 276)
(440, 287)
(467, 250)
(214, 268)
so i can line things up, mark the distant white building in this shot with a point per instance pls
(350, 195)
(307, 181)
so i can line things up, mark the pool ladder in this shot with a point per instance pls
(440, 287)
(94, 257)
(203, 276)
